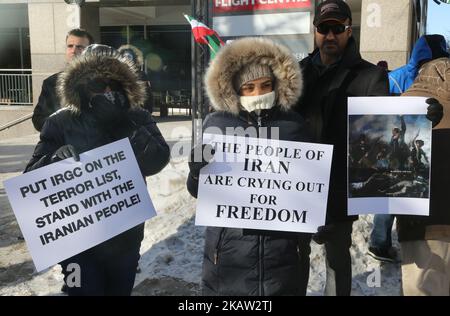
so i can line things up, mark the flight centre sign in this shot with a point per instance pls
(237, 18)
(221, 6)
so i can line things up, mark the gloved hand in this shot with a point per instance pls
(435, 111)
(110, 109)
(200, 157)
(65, 152)
(324, 233)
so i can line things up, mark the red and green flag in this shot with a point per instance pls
(205, 35)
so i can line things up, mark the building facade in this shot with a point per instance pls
(32, 39)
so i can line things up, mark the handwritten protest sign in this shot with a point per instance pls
(389, 154)
(68, 207)
(264, 184)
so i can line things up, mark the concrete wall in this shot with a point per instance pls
(386, 28)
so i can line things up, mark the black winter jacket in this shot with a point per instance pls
(324, 107)
(48, 102)
(242, 262)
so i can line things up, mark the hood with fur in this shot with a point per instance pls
(234, 56)
(136, 51)
(99, 63)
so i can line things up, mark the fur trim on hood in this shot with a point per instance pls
(137, 52)
(234, 56)
(105, 64)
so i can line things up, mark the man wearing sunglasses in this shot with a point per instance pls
(333, 72)
(76, 41)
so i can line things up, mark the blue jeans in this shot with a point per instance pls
(381, 233)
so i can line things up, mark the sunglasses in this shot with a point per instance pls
(324, 29)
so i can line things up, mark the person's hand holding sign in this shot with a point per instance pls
(64, 152)
(200, 157)
(435, 111)
(324, 234)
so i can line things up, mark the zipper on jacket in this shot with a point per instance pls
(261, 265)
(218, 246)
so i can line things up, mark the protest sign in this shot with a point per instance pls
(389, 151)
(68, 207)
(264, 184)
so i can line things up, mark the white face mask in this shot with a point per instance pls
(258, 102)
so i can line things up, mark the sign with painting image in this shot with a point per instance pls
(389, 156)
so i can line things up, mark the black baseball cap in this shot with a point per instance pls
(332, 10)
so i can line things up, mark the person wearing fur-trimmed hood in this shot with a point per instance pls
(102, 97)
(136, 56)
(252, 82)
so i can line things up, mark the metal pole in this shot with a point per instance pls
(193, 80)
(15, 122)
(2, 94)
(21, 48)
(16, 88)
(144, 64)
(29, 89)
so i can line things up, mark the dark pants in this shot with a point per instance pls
(338, 261)
(109, 275)
(381, 233)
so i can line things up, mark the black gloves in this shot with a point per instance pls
(200, 157)
(435, 111)
(324, 233)
(65, 152)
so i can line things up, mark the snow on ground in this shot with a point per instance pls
(172, 247)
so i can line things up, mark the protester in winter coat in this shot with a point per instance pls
(332, 73)
(425, 240)
(252, 82)
(102, 97)
(428, 47)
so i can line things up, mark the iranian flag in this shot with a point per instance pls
(205, 35)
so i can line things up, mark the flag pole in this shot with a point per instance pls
(210, 47)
